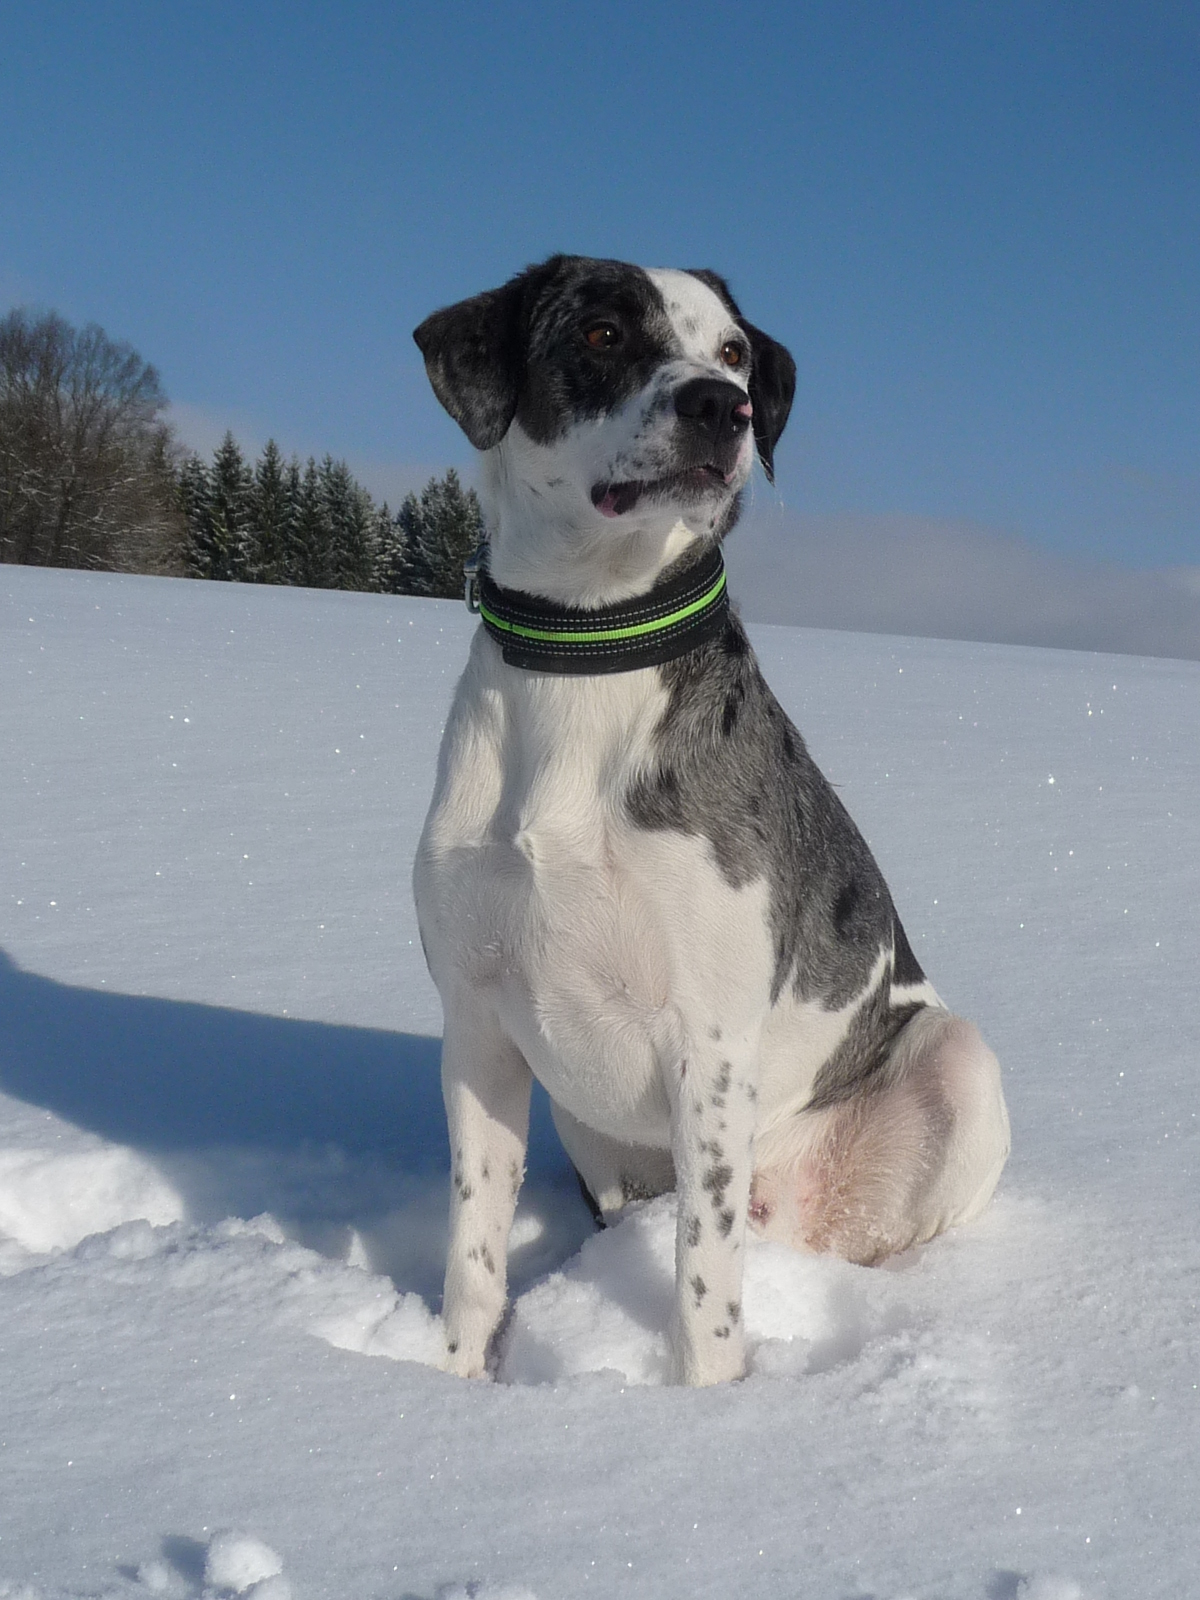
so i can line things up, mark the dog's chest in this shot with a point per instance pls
(604, 947)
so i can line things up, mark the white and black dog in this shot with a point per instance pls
(634, 884)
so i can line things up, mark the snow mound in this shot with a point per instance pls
(400, 1327)
(609, 1308)
(50, 1199)
(239, 1564)
(1047, 1586)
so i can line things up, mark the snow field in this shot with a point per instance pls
(223, 1173)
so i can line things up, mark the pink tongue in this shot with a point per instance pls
(618, 498)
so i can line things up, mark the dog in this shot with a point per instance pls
(634, 884)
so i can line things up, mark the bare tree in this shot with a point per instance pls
(86, 459)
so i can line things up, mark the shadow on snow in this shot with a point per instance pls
(326, 1126)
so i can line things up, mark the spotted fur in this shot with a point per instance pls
(638, 887)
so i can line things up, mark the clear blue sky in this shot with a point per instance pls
(977, 226)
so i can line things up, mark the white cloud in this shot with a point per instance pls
(954, 580)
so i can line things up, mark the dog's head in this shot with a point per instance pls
(620, 409)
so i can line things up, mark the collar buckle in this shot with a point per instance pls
(471, 577)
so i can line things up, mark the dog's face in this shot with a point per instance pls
(620, 408)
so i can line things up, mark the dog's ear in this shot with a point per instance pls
(772, 376)
(474, 355)
(772, 390)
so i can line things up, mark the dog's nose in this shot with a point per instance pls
(716, 408)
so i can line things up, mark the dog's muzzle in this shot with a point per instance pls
(716, 414)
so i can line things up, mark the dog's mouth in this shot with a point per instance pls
(619, 499)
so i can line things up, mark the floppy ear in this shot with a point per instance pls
(772, 390)
(772, 376)
(474, 356)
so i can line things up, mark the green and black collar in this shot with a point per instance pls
(668, 621)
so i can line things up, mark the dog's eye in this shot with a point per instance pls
(732, 354)
(602, 335)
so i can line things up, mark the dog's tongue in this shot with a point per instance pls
(615, 499)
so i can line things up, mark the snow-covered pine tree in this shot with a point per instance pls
(408, 569)
(388, 544)
(440, 527)
(347, 514)
(305, 559)
(270, 512)
(230, 532)
(195, 492)
(289, 530)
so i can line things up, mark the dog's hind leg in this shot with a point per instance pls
(486, 1085)
(916, 1150)
(612, 1174)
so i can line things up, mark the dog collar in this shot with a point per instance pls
(541, 636)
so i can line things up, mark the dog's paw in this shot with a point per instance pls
(461, 1361)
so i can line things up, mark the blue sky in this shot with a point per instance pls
(977, 226)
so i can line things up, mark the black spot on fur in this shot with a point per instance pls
(720, 1333)
(634, 1189)
(693, 1232)
(725, 1223)
(844, 908)
(734, 1308)
(699, 1289)
(716, 1180)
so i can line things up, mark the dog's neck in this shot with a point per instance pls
(545, 538)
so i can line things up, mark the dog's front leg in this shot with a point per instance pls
(712, 1138)
(485, 1084)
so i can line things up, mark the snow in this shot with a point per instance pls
(223, 1164)
(238, 1563)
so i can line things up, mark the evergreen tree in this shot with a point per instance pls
(440, 528)
(194, 492)
(388, 543)
(270, 512)
(229, 532)
(288, 570)
(346, 513)
(307, 547)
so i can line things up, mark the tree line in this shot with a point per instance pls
(91, 475)
(277, 522)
